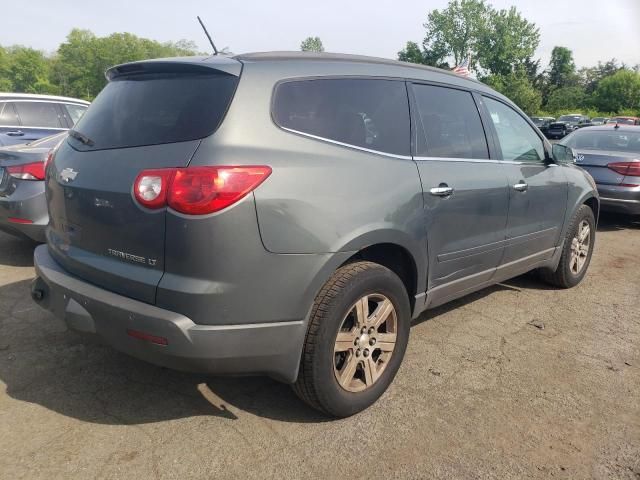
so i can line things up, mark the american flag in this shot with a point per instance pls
(463, 68)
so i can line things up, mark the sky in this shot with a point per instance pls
(594, 29)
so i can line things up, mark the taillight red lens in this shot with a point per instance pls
(631, 169)
(197, 190)
(201, 190)
(28, 171)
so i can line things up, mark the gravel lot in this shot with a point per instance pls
(516, 381)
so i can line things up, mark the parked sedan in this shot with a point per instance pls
(611, 154)
(26, 117)
(23, 209)
(624, 120)
(599, 120)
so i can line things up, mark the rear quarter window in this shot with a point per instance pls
(157, 108)
(366, 113)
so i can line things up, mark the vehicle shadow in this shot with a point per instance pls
(16, 251)
(43, 363)
(611, 222)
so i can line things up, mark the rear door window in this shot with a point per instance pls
(155, 108)
(39, 114)
(8, 116)
(367, 113)
(518, 140)
(450, 124)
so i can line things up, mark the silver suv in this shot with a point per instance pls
(289, 214)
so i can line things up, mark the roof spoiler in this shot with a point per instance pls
(194, 65)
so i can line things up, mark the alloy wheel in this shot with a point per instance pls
(580, 246)
(365, 342)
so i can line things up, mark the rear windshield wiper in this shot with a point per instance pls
(81, 137)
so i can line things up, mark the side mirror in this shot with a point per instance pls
(562, 154)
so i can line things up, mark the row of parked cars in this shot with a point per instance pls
(288, 214)
(565, 124)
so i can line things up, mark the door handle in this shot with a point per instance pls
(520, 186)
(441, 191)
(16, 133)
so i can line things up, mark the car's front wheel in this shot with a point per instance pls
(576, 251)
(356, 339)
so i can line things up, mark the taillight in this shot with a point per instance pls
(151, 186)
(631, 169)
(197, 190)
(29, 171)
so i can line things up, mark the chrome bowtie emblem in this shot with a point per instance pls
(68, 174)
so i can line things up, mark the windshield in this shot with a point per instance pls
(625, 141)
(570, 118)
(537, 121)
(155, 108)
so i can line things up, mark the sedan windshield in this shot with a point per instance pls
(624, 121)
(604, 140)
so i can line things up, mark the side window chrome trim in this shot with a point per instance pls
(473, 160)
(348, 145)
(22, 127)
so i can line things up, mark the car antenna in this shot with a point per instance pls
(215, 50)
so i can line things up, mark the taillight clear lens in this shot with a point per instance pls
(151, 186)
(29, 171)
(631, 169)
(197, 190)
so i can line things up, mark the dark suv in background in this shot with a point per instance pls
(27, 117)
(288, 214)
(565, 124)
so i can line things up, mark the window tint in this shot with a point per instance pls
(38, 114)
(8, 115)
(155, 108)
(75, 112)
(367, 113)
(518, 140)
(451, 124)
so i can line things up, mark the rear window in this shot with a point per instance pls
(366, 113)
(156, 108)
(624, 141)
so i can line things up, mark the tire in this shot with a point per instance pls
(565, 275)
(325, 355)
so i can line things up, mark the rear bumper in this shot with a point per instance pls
(26, 203)
(615, 198)
(271, 349)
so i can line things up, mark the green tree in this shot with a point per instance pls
(591, 76)
(312, 44)
(6, 85)
(411, 53)
(455, 31)
(618, 92)
(562, 69)
(517, 86)
(507, 42)
(566, 98)
(28, 70)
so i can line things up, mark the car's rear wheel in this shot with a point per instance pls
(357, 336)
(576, 252)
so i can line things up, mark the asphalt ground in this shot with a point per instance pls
(517, 381)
